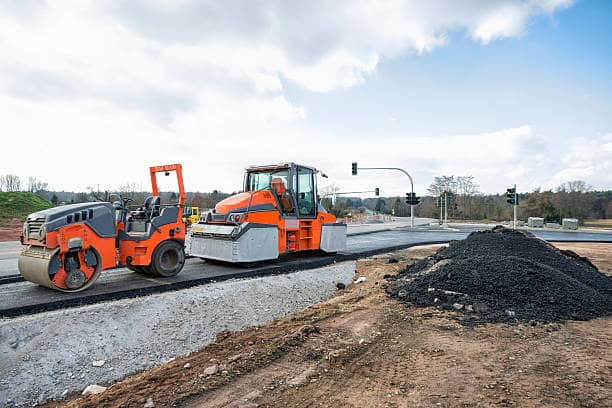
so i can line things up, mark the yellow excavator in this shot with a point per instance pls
(191, 215)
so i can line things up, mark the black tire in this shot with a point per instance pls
(168, 259)
(139, 269)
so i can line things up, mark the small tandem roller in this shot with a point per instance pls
(69, 246)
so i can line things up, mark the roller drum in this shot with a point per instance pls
(39, 264)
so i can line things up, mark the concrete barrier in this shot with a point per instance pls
(570, 223)
(535, 222)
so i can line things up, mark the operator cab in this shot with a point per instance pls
(293, 185)
(138, 220)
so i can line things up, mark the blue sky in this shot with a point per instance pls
(508, 91)
(556, 76)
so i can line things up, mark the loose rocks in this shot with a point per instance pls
(211, 370)
(506, 275)
(98, 363)
(93, 389)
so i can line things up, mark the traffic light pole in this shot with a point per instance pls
(411, 186)
(515, 202)
(445, 209)
(354, 192)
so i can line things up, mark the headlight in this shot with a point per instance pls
(235, 218)
(42, 232)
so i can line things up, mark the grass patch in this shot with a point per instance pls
(19, 205)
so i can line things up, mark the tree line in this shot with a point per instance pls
(574, 199)
(12, 182)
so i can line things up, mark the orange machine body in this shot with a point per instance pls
(84, 239)
(281, 197)
(295, 234)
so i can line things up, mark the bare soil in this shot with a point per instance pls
(11, 230)
(363, 349)
(598, 224)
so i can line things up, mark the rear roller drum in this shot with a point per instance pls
(168, 259)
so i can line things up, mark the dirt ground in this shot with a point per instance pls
(363, 349)
(10, 230)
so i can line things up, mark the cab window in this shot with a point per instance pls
(263, 179)
(305, 192)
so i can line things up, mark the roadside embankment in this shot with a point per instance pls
(52, 354)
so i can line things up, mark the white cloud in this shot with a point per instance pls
(509, 19)
(585, 159)
(126, 83)
(321, 46)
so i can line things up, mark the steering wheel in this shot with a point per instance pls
(125, 200)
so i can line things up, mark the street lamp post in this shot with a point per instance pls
(355, 168)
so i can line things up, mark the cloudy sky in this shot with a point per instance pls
(509, 91)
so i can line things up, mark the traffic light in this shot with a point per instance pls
(412, 199)
(511, 196)
(354, 168)
(376, 192)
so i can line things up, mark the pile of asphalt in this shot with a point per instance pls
(504, 276)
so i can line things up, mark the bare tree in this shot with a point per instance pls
(576, 186)
(573, 200)
(460, 192)
(443, 184)
(10, 182)
(330, 189)
(326, 194)
(134, 191)
(35, 185)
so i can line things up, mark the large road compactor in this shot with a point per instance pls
(68, 246)
(278, 213)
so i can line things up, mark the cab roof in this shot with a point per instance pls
(278, 166)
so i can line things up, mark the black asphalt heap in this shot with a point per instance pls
(503, 276)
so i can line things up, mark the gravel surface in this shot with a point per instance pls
(503, 276)
(52, 354)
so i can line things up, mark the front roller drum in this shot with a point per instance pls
(46, 267)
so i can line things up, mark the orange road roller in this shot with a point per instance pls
(278, 213)
(67, 247)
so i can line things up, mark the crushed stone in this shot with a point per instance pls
(56, 349)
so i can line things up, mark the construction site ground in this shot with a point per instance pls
(361, 348)
(10, 230)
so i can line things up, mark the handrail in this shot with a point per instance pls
(246, 215)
